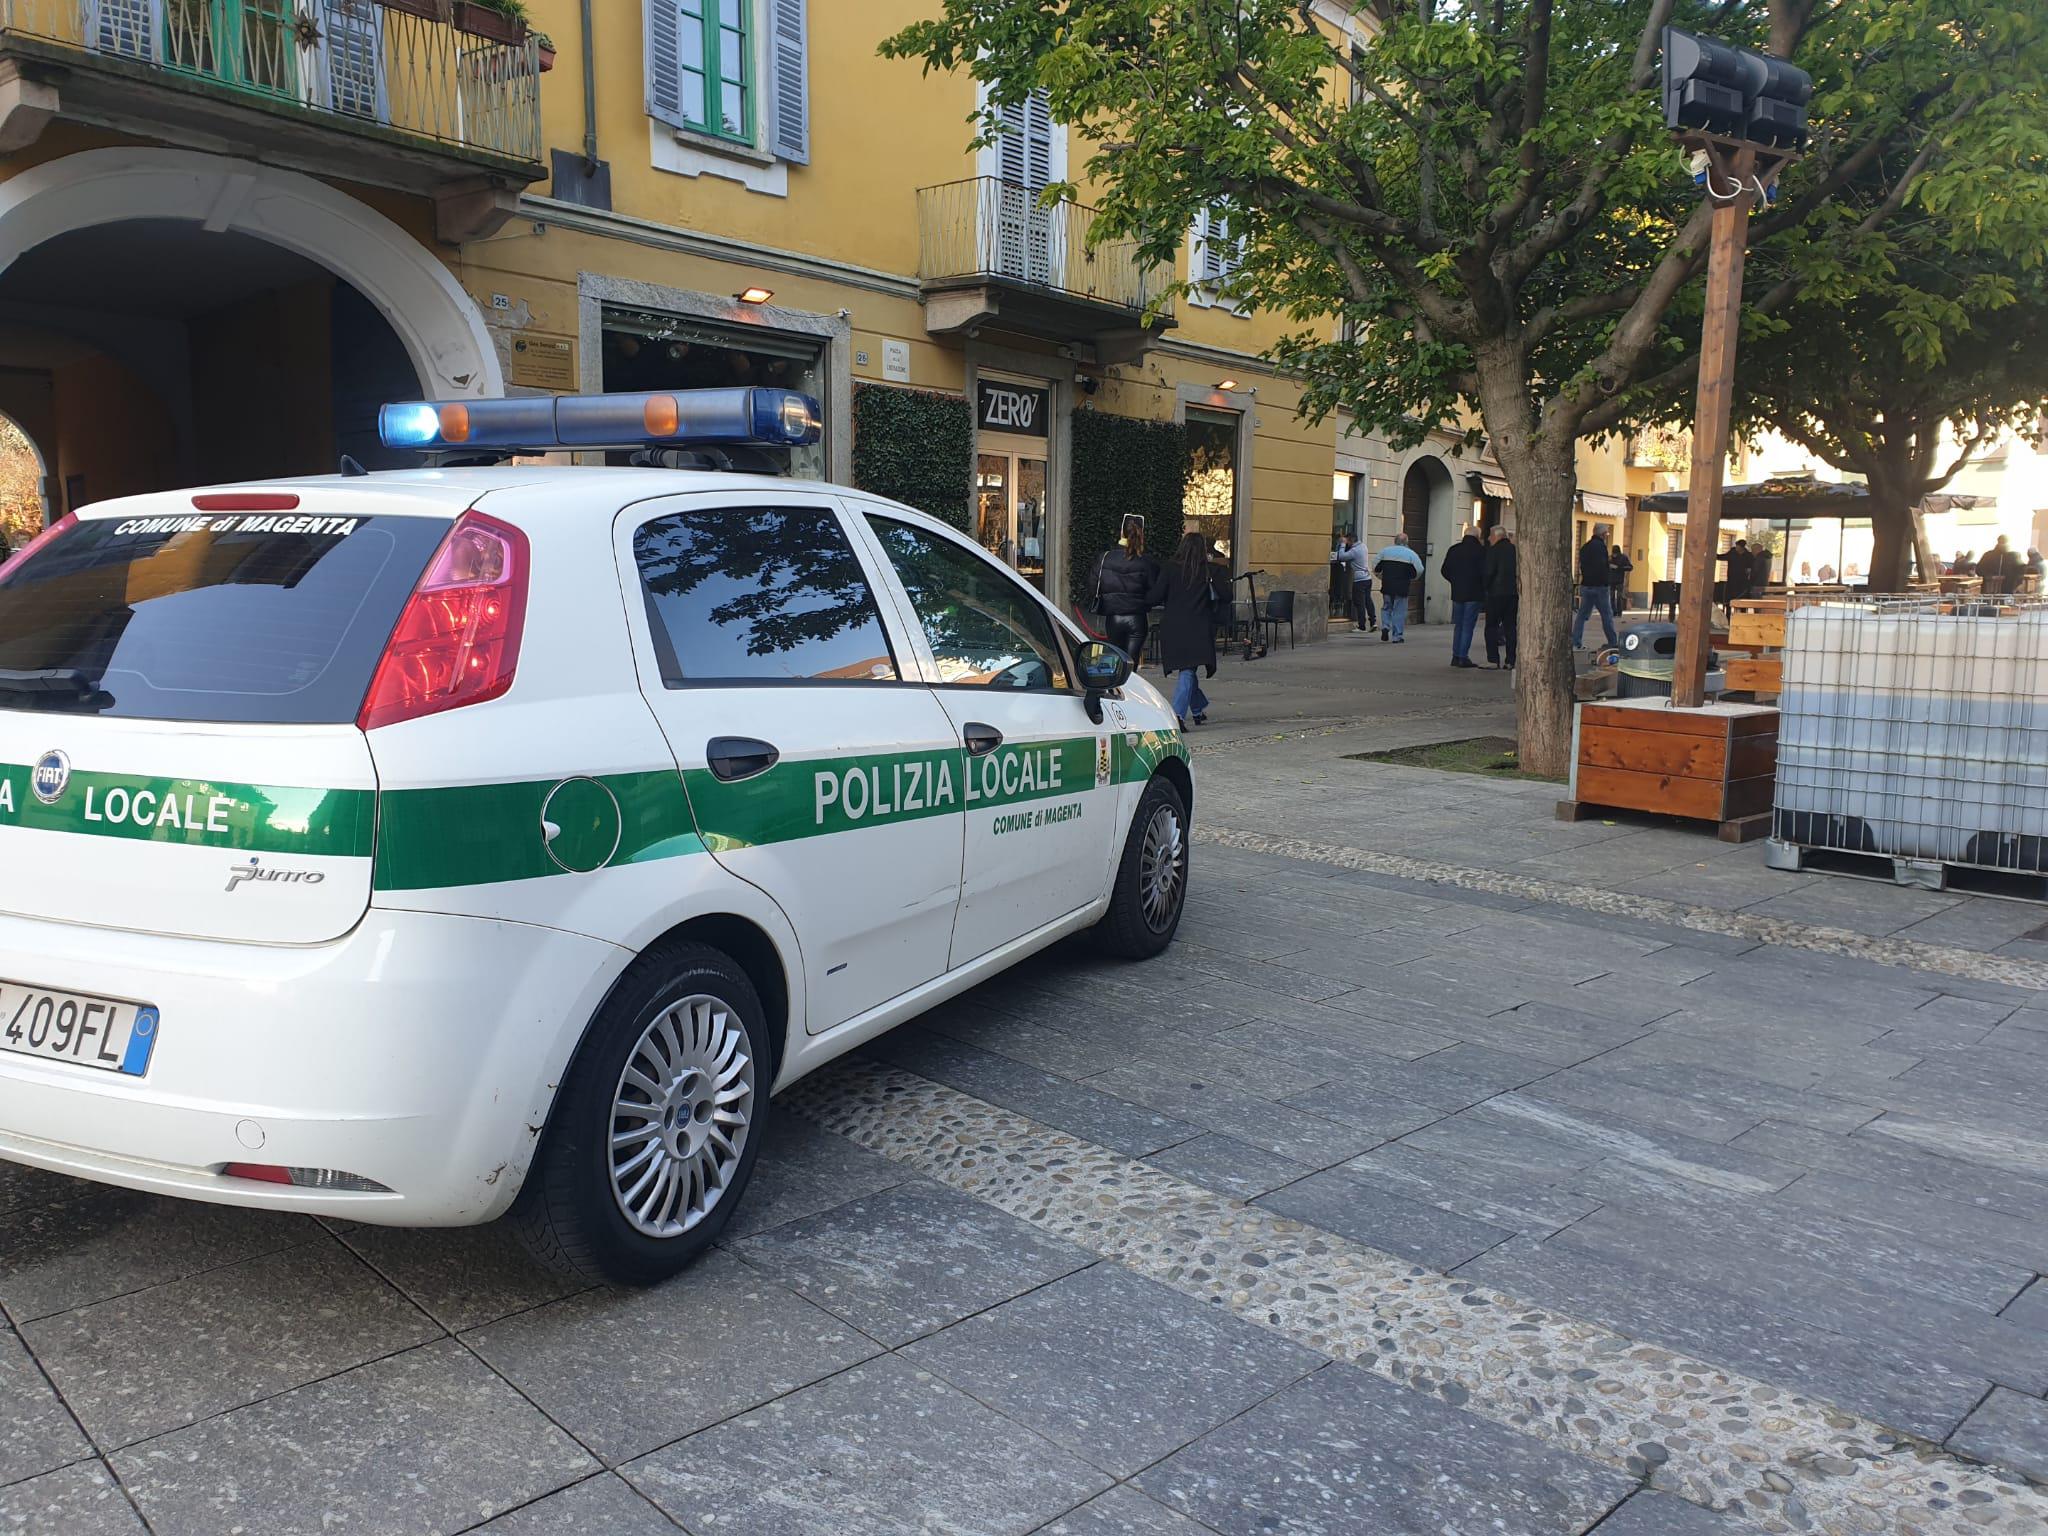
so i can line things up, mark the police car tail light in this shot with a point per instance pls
(22, 556)
(457, 642)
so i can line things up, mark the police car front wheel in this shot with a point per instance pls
(1151, 877)
(656, 1130)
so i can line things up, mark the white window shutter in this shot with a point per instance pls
(789, 80)
(354, 42)
(125, 27)
(664, 64)
(1024, 153)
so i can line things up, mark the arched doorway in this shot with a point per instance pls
(1426, 515)
(195, 318)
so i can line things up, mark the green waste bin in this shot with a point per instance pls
(1648, 654)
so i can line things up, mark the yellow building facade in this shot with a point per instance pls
(229, 227)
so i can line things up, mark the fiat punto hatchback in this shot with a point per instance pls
(420, 846)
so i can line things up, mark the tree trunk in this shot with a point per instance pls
(1926, 567)
(1891, 535)
(1544, 477)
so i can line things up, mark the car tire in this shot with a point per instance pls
(1146, 903)
(676, 1060)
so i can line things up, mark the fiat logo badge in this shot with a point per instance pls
(49, 776)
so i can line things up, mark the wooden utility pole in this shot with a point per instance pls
(1731, 170)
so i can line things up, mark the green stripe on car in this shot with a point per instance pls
(196, 813)
(484, 834)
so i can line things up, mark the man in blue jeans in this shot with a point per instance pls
(1595, 593)
(1465, 569)
(1398, 566)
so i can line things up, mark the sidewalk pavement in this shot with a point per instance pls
(1459, 1170)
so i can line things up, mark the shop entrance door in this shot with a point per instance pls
(1009, 494)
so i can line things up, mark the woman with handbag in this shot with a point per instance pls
(1188, 591)
(1125, 577)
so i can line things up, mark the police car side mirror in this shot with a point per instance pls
(1103, 669)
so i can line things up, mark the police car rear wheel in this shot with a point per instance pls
(655, 1134)
(1151, 878)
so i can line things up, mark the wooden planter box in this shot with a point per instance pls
(1715, 764)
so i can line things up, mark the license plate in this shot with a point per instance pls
(97, 1032)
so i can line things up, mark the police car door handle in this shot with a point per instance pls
(981, 739)
(739, 757)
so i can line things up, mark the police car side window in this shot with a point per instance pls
(759, 594)
(983, 627)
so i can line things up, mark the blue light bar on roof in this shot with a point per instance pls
(678, 418)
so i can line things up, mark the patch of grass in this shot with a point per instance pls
(1493, 756)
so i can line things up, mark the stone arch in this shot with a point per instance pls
(443, 331)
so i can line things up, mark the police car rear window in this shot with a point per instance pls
(259, 617)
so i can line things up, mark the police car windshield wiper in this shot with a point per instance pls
(52, 687)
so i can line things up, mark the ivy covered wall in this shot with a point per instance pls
(1122, 465)
(916, 447)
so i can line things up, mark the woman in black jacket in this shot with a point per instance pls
(1189, 589)
(1124, 580)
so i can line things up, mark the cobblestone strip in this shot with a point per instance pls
(1784, 1462)
(1914, 954)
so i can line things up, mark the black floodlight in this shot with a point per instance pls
(1733, 93)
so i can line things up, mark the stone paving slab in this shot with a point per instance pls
(81, 1500)
(37, 1432)
(1340, 1201)
(1116, 1369)
(593, 1364)
(461, 1277)
(159, 1359)
(910, 1260)
(605, 1505)
(1123, 1511)
(2009, 1430)
(420, 1444)
(1227, 1166)
(881, 1450)
(97, 1242)
(1346, 1452)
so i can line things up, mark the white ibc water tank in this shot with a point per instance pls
(1916, 732)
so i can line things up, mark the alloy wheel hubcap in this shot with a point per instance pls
(680, 1116)
(1162, 869)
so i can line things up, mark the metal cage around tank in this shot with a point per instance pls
(1916, 728)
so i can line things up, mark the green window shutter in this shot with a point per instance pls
(664, 69)
(789, 83)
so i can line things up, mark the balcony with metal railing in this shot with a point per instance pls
(393, 94)
(991, 255)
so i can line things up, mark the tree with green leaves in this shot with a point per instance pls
(1903, 372)
(1475, 203)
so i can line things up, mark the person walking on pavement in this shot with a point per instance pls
(1596, 590)
(1503, 599)
(1124, 579)
(1189, 588)
(1465, 569)
(1398, 566)
(1352, 556)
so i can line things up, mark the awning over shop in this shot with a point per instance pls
(1601, 504)
(1491, 485)
(1771, 501)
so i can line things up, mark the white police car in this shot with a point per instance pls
(407, 846)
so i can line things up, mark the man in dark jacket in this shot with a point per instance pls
(1741, 570)
(1619, 567)
(2000, 568)
(1596, 593)
(1503, 598)
(1465, 569)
